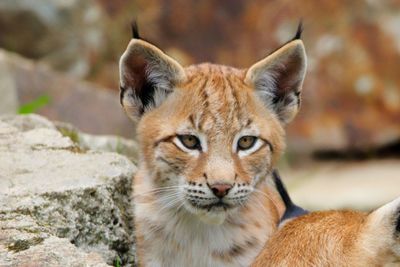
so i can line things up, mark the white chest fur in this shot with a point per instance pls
(178, 238)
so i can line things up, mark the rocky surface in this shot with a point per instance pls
(106, 143)
(30, 251)
(55, 196)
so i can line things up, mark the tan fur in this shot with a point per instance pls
(336, 238)
(218, 104)
(204, 98)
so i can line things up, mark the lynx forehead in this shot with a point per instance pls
(209, 136)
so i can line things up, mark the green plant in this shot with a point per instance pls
(34, 105)
(117, 262)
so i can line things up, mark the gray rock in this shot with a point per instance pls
(25, 123)
(54, 193)
(105, 143)
(24, 243)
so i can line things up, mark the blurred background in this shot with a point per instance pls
(59, 58)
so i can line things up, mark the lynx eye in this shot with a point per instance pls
(190, 141)
(246, 142)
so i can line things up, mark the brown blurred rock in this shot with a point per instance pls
(69, 35)
(351, 98)
(8, 92)
(87, 106)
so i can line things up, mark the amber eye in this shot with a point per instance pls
(190, 141)
(246, 142)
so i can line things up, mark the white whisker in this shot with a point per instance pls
(266, 195)
(159, 189)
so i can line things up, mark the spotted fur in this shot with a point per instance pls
(180, 220)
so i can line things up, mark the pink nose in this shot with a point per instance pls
(220, 190)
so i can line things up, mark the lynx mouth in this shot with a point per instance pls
(217, 206)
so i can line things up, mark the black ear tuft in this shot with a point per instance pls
(135, 30)
(299, 31)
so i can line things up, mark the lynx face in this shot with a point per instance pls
(209, 134)
(212, 139)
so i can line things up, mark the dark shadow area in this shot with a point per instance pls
(391, 150)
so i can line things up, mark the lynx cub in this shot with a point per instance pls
(209, 138)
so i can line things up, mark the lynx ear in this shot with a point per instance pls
(388, 214)
(278, 78)
(382, 233)
(147, 76)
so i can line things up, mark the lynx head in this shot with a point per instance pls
(209, 134)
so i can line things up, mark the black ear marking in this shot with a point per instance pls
(121, 94)
(292, 210)
(398, 221)
(135, 30)
(146, 94)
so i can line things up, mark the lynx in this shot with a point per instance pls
(333, 238)
(210, 136)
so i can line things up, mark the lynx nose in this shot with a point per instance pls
(220, 190)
